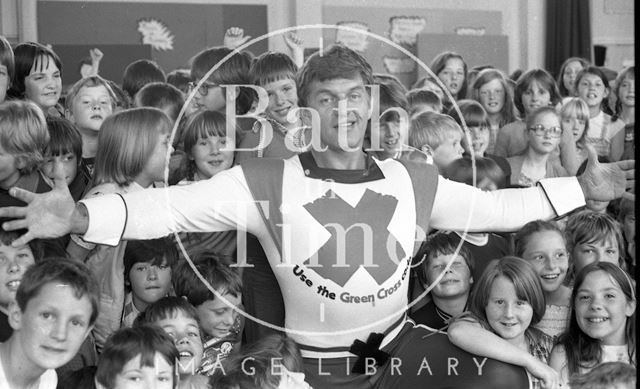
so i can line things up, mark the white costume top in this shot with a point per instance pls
(339, 242)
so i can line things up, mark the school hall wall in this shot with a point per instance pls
(525, 39)
(522, 21)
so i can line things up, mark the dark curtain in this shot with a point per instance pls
(568, 32)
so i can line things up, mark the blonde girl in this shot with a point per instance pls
(543, 245)
(574, 119)
(602, 324)
(132, 147)
(505, 304)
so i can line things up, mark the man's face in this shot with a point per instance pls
(343, 107)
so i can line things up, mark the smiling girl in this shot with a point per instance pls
(37, 77)
(505, 304)
(602, 324)
(592, 86)
(543, 245)
(209, 151)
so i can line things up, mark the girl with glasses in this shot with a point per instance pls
(543, 134)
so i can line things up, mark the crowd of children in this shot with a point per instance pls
(555, 297)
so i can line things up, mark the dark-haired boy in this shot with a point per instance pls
(147, 274)
(55, 307)
(219, 320)
(178, 318)
(65, 149)
(449, 296)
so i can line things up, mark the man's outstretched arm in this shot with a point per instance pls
(460, 207)
(222, 203)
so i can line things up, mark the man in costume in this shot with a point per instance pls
(339, 229)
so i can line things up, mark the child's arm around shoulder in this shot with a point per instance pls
(558, 361)
(468, 334)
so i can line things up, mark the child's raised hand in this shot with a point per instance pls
(607, 181)
(293, 41)
(234, 37)
(46, 215)
(295, 45)
(96, 55)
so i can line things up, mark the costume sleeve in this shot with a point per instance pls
(462, 207)
(219, 204)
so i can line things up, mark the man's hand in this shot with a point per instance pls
(46, 215)
(234, 37)
(607, 181)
